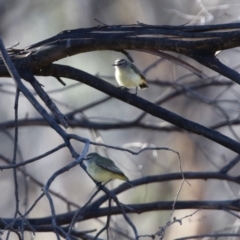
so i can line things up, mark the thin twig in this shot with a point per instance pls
(81, 211)
(16, 165)
(108, 220)
(14, 160)
(56, 174)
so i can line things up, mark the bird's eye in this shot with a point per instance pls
(121, 63)
(89, 156)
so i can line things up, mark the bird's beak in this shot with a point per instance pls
(114, 64)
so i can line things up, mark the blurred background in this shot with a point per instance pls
(30, 21)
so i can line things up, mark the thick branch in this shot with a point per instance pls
(180, 39)
(131, 208)
(209, 60)
(152, 109)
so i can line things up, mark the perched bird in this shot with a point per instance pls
(103, 169)
(128, 75)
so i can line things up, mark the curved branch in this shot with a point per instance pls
(63, 219)
(185, 40)
(152, 109)
(208, 59)
(93, 210)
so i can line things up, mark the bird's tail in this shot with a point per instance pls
(143, 85)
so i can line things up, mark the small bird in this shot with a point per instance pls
(103, 169)
(128, 75)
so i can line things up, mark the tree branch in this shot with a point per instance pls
(152, 109)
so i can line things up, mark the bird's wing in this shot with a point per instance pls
(111, 167)
(136, 70)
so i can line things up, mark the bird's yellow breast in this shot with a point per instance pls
(128, 78)
(101, 175)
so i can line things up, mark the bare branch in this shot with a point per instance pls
(152, 109)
